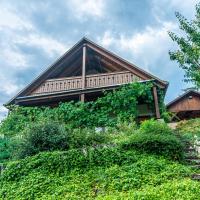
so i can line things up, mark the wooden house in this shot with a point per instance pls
(83, 73)
(186, 106)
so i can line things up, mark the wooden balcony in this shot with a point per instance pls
(91, 81)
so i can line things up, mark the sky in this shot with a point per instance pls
(33, 34)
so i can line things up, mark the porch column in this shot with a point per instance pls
(155, 96)
(83, 71)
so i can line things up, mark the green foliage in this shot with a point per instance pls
(8, 148)
(80, 138)
(103, 166)
(185, 189)
(154, 127)
(49, 136)
(4, 149)
(119, 105)
(165, 145)
(156, 138)
(189, 129)
(95, 173)
(188, 54)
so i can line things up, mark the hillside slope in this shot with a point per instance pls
(125, 162)
(101, 173)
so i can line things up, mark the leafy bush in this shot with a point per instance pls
(165, 145)
(4, 149)
(79, 138)
(48, 136)
(188, 129)
(154, 127)
(156, 138)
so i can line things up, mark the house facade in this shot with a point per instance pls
(82, 74)
(186, 106)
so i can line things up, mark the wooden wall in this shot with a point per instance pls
(188, 103)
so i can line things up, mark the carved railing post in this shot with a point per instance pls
(155, 96)
(83, 72)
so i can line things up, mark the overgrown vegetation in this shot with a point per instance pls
(120, 105)
(89, 173)
(65, 158)
(155, 138)
(99, 165)
(189, 129)
(49, 136)
(4, 149)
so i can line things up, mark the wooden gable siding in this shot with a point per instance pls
(188, 103)
(92, 81)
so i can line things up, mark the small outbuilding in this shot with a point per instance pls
(186, 106)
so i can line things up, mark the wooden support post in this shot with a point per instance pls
(83, 72)
(155, 96)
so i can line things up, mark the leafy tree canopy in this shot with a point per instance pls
(188, 53)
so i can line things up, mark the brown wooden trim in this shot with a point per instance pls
(91, 81)
(63, 94)
(129, 66)
(83, 72)
(87, 76)
(155, 95)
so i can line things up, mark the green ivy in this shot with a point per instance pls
(118, 105)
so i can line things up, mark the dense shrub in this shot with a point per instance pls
(165, 145)
(189, 129)
(46, 136)
(156, 138)
(4, 149)
(79, 138)
(154, 127)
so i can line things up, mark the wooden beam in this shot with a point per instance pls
(83, 72)
(155, 96)
(125, 64)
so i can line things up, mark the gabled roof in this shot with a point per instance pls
(186, 94)
(84, 41)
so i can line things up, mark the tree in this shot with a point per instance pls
(188, 54)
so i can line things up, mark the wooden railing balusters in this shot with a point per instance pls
(92, 81)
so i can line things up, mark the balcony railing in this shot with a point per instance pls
(92, 81)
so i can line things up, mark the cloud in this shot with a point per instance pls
(49, 45)
(87, 8)
(8, 87)
(167, 8)
(10, 19)
(12, 57)
(107, 39)
(184, 6)
(145, 46)
(149, 50)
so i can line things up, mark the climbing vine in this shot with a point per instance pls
(120, 104)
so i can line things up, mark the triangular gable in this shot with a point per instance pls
(75, 51)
